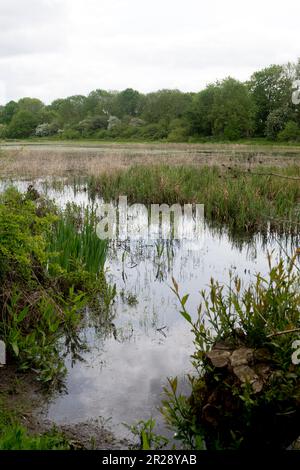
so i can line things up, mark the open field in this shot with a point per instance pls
(86, 159)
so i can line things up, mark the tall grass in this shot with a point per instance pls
(74, 240)
(245, 201)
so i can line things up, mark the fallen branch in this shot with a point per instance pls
(279, 333)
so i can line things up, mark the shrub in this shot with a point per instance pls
(291, 132)
(70, 134)
(45, 287)
(3, 131)
(246, 391)
(22, 125)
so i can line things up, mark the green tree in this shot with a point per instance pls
(70, 110)
(200, 113)
(291, 132)
(8, 111)
(276, 121)
(233, 110)
(271, 90)
(33, 105)
(22, 125)
(3, 131)
(128, 103)
(166, 105)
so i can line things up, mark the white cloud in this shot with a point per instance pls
(51, 48)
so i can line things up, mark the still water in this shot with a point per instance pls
(124, 370)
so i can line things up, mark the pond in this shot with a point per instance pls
(125, 368)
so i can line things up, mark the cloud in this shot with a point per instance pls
(51, 48)
(30, 26)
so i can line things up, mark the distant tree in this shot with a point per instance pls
(178, 130)
(3, 131)
(276, 121)
(22, 125)
(233, 110)
(70, 110)
(33, 105)
(166, 105)
(8, 111)
(92, 123)
(46, 129)
(113, 121)
(271, 90)
(199, 114)
(128, 103)
(136, 122)
(154, 131)
(291, 132)
(99, 102)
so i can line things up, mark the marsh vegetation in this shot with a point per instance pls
(76, 309)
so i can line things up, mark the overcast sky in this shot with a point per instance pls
(56, 48)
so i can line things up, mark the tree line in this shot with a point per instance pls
(261, 107)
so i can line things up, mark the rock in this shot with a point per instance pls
(245, 374)
(222, 345)
(219, 358)
(241, 356)
(262, 355)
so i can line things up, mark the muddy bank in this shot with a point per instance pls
(23, 397)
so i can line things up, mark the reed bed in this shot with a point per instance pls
(268, 198)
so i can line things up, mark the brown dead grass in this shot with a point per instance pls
(41, 160)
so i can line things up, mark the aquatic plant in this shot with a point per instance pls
(42, 300)
(245, 201)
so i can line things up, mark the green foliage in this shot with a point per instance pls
(271, 89)
(232, 111)
(22, 124)
(276, 122)
(177, 413)
(226, 110)
(44, 293)
(269, 306)
(70, 134)
(17, 438)
(148, 439)
(291, 132)
(14, 436)
(265, 318)
(3, 131)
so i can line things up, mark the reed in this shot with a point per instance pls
(246, 201)
(74, 240)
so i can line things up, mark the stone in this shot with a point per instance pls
(222, 345)
(246, 374)
(262, 355)
(241, 356)
(219, 358)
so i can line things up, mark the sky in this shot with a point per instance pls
(58, 48)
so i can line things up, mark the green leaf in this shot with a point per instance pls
(145, 441)
(22, 315)
(184, 299)
(15, 348)
(186, 316)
